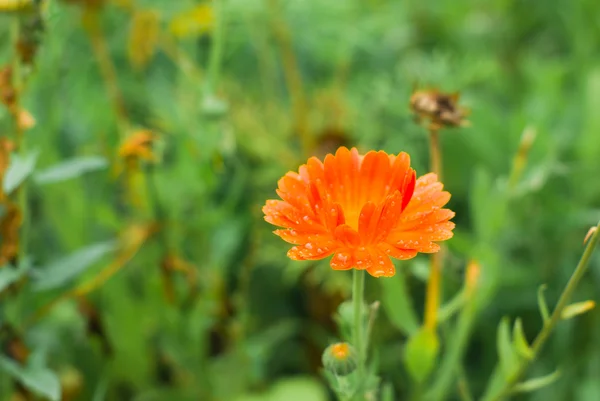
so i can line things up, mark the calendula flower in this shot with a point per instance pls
(363, 210)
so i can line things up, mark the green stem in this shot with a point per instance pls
(549, 325)
(452, 358)
(358, 289)
(216, 50)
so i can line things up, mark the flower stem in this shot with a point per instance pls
(358, 289)
(91, 24)
(433, 286)
(216, 53)
(435, 153)
(551, 323)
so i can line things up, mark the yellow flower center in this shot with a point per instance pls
(340, 351)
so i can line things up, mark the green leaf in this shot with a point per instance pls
(387, 392)
(452, 307)
(63, 270)
(576, 309)
(298, 389)
(537, 383)
(38, 379)
(70, 169)
(542, 303)
(520, 342)
(421, 354)
(506, 353)
(100, 391)
(397, 304)
(19, 169)
(479, 200)
(9, 275)
(489, 204)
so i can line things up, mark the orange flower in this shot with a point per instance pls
(362, 209)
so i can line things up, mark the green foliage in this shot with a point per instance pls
(421, 354)
(72, 266)
(19, 169)
(70, 169)
(35, 376)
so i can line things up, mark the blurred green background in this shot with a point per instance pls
(238, 92)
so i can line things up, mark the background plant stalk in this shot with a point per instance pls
(432, 301)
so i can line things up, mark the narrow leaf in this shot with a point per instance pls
(63, 270)
(542, 303)
(19, 169)
(421, 353)
(9, 275)
(537, 383)
(397, 304)
(508, 358)
(387, 392)
(70, 169)
(39, 380)
(576, 309)
(520, 342)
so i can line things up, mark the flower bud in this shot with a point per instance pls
(340, 359)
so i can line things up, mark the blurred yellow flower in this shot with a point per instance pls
(25, 120)
(194, 22)
(15, 5)
(138, 146)
(143, 37)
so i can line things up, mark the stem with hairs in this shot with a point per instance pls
(549, 325)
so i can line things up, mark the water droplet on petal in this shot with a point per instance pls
(308, 245)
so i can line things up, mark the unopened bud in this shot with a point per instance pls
(340, 359)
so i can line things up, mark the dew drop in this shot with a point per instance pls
(308, 245)
(342, 258)
(305, 218)
(319, 250)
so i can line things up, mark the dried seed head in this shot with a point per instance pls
(438, 108)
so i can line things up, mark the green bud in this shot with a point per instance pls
(340, 359)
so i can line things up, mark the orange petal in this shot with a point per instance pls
(390, 215)
(374, 176)
(367, 221)
(397, 253)
(342, 260)
(347, 236)
(308, 251)
(381, 265)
